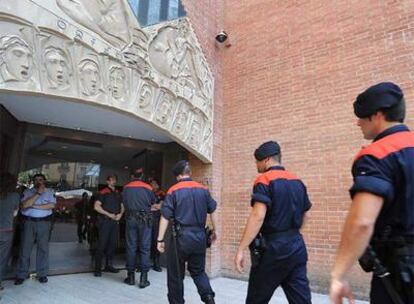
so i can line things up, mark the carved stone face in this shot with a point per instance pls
(194, 138)
(90, 77)
(117, 79)
(57, 67)
(18, 60)
(145, 96)
(164, 110)
(181, 120)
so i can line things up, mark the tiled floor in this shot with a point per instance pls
(109, 289)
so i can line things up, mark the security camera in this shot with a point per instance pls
(221, 37)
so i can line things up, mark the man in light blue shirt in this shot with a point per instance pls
(36, 208)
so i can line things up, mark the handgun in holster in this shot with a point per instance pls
(257, 248)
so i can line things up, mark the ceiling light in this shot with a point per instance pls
(64, 147)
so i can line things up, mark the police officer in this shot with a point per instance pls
(37, 205)
(156, 215)
(138, 199)
(279, 202)
(187, 204)
(382, 209)
(110, 209)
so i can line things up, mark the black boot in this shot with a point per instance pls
(209, 299)
(98, 269)
(143, 280)
(130, 279)
(109, 267)
(156, 265)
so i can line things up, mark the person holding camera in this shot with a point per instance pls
(36, 208)
(186, 205)
(279, 204)
(380, 220)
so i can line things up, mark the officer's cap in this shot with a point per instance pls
(267, 149)
(383, 95)
(179, 167)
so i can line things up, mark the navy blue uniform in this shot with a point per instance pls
(138, 198)
(108, 228)
(284, 261)
(386, 168)
(188, 202)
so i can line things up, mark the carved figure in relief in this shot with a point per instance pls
(145, 96)
(16, 59)
(164, 109)
(58, 68)
(117, 82)
(195, 132)
(180, 124)
(107, 18)
(89, 77)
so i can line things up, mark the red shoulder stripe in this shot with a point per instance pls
(186, 184)
(389, 144)
(105, 190)
(271, 175)
(138, 184)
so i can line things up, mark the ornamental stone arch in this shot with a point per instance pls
(95, 51)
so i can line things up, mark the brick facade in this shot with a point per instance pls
(291, 74)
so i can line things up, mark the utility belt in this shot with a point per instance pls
(37, 219)
(392, 260)
(259, 245)
(141, 216)
(177, 230)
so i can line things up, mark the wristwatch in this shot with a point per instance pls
(160, 241)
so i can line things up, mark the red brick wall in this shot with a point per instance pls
(206, 19)
(291, 74)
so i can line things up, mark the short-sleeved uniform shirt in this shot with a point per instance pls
(138, 196)
(286, 199)
(47, 197)
(189, 203)
(386, 168)
(111, 200)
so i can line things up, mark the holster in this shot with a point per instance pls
(209, 236)
(176, 229)
(257, 249)
(141, 216)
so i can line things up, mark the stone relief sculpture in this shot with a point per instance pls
(196, 130)
(118, 83)
(16, 59)
(58, 67)
(108, 18)
(90, 77)
(165, 108)
(181, 120)
(146, 98)
(161, 68)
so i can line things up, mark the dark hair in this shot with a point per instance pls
(395, 113)
(8, 183)
(186, 170)
(39, 175)
(111, 176)
(277, 157)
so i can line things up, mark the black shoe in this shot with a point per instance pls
(156, 265)
(130, 279)
(97, 273)
(18, 282)
(143, 280)
(110, 268)
(209, 299)
(43, 280)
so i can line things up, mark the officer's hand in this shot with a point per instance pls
(112, 216)
(118, 217)
(340, 289)
(213, 236)
(239, 261)
(161, 247)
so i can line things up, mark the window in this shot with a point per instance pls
(149, 12)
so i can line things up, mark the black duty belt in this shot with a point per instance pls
(37, 219)
(278, 234)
